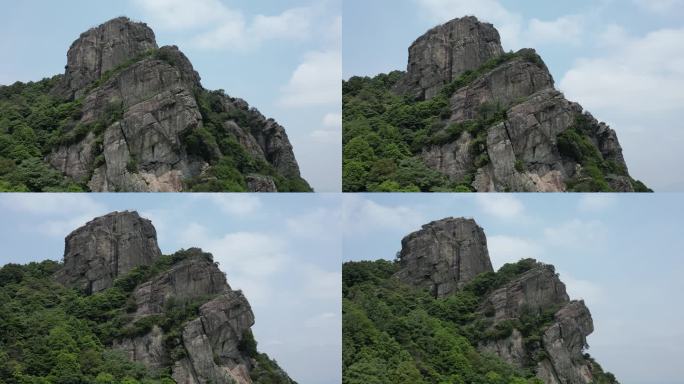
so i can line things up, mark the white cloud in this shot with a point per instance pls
(321, 223)
(183, 14)
(594, 202)
(332, 129)
(567, 29)
(619, 79)
(360, 215)
(514, 30)
(323, 320)
(502, 206)
(579, 289)
(321, 284)
(659, 6)
(316, 81)
(232, 203)
(509, 249)
(224, 27)
(575, 233)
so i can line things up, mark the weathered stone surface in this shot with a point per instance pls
(452, 159)
(149, 107)
(444, 255)
(503, 86)
(445, 52)
(260, 183)
(536, 289)
(563, 341)
(190, 279)
(102, 49)
(105, 248)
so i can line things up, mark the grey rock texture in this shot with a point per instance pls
(102, 49)
(105, 248)
(259, 183)
(445, 52)
(210, 343)
(563, 341)
(444, 255)
(522, 149)
(140, 113)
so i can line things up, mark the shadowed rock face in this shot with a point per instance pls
(105, 248)
(445, 52)
(103, 48)
(112, 245)
(444, 255)
(149, 104)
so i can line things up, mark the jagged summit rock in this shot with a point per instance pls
(444, 255)
(105, 248)
(181, 316)
(102, 49)
(136, 118)
(445, 52)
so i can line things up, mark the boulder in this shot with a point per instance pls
(444, 255)
(105, 248)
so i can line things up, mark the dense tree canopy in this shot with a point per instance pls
(394, 333)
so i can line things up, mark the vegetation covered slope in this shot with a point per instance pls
(34, 122)
(394, 333)
(52, 334)
(384, 134)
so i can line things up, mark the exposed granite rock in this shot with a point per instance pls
(506, 85)
(563, 341)
(148, 105)
(102, 49)
(444, 255)
(260, 183)
(105, 248)
(522, 149)
(445, 52)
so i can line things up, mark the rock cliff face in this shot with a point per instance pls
(445, 52)
(206, 347)
(541, 142)
(142, 126)
(431, 258)
(444, 255)
(105, 248)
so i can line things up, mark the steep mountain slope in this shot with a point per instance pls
(130, 116)
(439, 313)
(466, 116)
(118, 311)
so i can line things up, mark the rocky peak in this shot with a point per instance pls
(103, 48)
(444, 255)
(445, 52)
(105, 248)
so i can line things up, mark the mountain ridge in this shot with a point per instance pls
(521, 315)
(467, 116)
(128, 115)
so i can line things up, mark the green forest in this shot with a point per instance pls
(394, 333)
(384, 134)
(50, 334)
(34, 122)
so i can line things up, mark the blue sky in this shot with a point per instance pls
(282, 250)
(282, 56)
(621, 59)
(622, 254)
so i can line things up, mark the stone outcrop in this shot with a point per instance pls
(102, 49)
(139, 105)
(521, 151)
(105, 248)
(444, 255)
(445, 52)
(207, 348)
